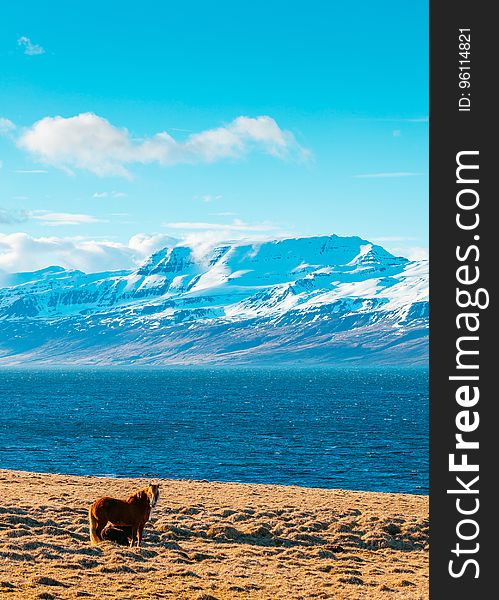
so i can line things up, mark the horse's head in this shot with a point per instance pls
(149, 495)
(152, 492)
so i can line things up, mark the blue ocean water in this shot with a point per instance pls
(363, 429)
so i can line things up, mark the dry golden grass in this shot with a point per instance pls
(208, 541)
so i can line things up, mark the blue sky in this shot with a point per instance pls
(122, 124)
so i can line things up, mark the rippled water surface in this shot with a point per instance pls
(348, 428)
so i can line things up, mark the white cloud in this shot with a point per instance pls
(417, 253)
(30, 171)
(90, 142)
(113, 194)
(387, 174)
(29, 48)
(203, 237)
(209, 197)
(396, 133)
(145, 244)
(392, 238)
(56, 219)
(22, 252)
(6, 126)
(203, 241)
(45, 217)
(400, 246)
(236, 225)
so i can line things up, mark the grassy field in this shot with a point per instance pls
(210, 540)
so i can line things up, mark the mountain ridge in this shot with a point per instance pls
(323, 299)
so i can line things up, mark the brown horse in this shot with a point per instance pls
(133, 512)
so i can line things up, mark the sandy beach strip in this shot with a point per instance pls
(212, 541)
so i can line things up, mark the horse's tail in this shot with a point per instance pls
(94, 538)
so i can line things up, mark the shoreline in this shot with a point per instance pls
(152, 477)
(213, 540)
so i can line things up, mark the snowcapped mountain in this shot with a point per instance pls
(321, 300)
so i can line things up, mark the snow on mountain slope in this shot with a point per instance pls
(241, 301)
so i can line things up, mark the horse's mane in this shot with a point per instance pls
(139, 496)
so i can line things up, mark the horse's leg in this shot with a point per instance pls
(100, 526)
(134, 535)
(141, 529)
